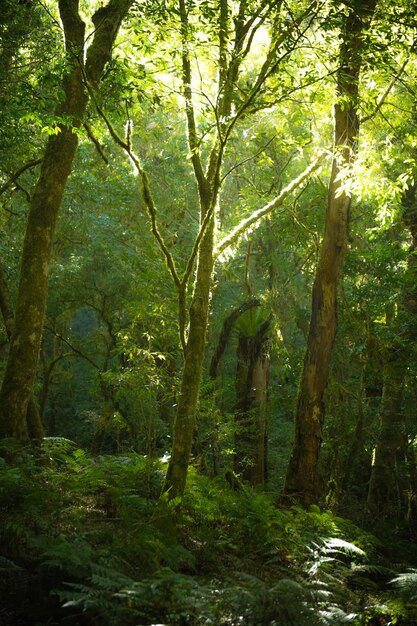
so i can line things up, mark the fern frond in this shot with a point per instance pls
(406, 583)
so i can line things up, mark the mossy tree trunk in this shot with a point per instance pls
(302, 482)
(33, 415)
(185, 420)
(208, 185)
(46, 200)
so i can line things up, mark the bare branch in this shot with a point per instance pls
(72, 347)
(96, 142)
(248, 159)
(13, 178)
(388, 90)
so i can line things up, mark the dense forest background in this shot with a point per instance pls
(208, 235)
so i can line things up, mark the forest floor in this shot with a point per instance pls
(90, 542)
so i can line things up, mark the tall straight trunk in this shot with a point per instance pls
(302, 481)
(46, 200)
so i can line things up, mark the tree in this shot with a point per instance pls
(46, 200)
(233, 47)
(252, 377)
(302, 482)
(33, 416)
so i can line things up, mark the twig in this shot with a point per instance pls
(388, 90)
(248, 159)
(18, 173)
(96, 142)
(73, 348)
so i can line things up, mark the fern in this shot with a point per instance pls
(64, 452)
(406, 583)
(72, 558)
(98, 595)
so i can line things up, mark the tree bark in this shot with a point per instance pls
(185, 419)
(33, 416)
(46, 200)
(252, 377)
(302, 483)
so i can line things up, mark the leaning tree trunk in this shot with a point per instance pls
(46, 200)
(302, 481)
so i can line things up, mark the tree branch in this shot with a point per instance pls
(72, 347)
(271, 63)
(18, 173)
(388, 90)
(225, 334)
(180, 284)
(96, 142)
(245, 224)
(146, 191)
(234, 167)
(189, 106)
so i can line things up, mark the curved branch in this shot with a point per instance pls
(234, 167)
(146, 191)
(388, 89)
(95, 141)
(225, 334)
(18, 173)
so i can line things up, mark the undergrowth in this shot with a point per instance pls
(89, 541)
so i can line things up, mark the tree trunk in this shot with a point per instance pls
(208, 183)
(388, 482)
(33, 416)
(251, 435)
(185, 419)
(302, 482)
(46, 200)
